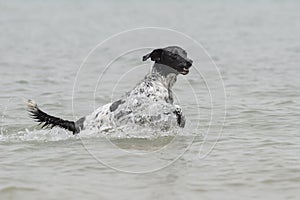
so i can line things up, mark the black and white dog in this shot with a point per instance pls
(149, 104)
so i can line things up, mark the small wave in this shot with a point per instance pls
(15, 188)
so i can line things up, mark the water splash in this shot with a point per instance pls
(57, 134)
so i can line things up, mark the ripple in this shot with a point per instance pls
(9, 189)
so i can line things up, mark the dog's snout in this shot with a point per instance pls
(189, 63)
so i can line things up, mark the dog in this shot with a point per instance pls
(148, 104)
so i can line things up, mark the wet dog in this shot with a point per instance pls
(148, 104)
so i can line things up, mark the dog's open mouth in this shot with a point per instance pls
(185, 71)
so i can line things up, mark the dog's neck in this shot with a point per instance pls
(166, 74)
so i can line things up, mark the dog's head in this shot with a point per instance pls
(172, 56)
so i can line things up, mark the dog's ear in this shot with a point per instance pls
(155, 55)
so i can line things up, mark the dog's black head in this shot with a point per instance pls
(172, 56)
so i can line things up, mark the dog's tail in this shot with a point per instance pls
(48, 121)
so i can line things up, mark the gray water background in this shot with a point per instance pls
(256, 46)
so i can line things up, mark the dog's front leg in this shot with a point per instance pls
(180, 116)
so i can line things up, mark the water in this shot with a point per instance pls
(256, 47)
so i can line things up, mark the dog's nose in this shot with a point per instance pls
(189, 63)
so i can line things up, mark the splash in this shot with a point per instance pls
(57, 134)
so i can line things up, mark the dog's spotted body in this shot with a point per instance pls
(135, 107)
(148, 104)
